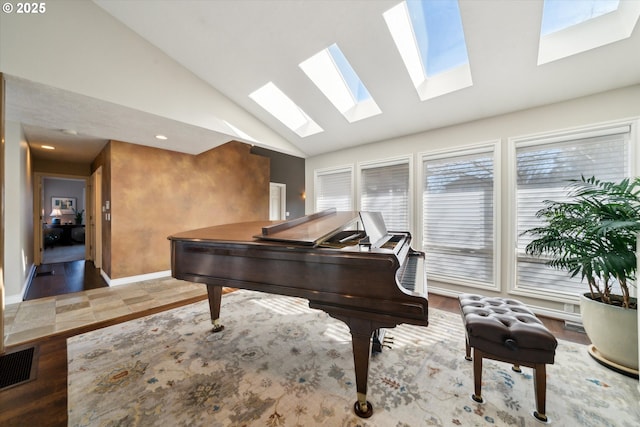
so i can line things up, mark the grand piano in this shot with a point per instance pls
(345, 263)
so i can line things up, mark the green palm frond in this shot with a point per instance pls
(592, 234)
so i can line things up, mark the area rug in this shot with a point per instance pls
(279, 363)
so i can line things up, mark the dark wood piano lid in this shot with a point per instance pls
(306, 233)
(238, 232)
(312, 231)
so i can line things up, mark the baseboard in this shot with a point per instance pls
(134, 279)
(106, 278)
(13, 299)
(18, 298)
(30, 277)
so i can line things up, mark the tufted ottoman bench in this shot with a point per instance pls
(506, 330)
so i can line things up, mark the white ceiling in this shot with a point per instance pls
(238, 46)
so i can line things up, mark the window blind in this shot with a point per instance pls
(543, 173)
(334, 190)
(458, 216)
(385, 189)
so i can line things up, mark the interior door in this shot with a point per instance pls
(277, 201)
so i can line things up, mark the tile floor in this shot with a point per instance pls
(33, 319)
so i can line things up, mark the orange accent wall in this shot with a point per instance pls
(155, 193)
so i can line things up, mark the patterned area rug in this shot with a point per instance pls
(279, 363)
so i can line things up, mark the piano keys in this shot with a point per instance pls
(344, 263)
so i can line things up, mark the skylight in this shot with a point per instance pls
(430, 39)
(330, 71)
(561, 14)
(570, 27)
(284, 109)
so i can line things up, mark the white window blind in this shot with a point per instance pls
(458, 216)
(544, 170)
(333, 189)
(385, 189)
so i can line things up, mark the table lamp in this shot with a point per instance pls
(55, 213)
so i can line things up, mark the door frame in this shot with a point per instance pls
(282, 198)
(38, 214)
(95, 219)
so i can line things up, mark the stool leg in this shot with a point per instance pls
(477, 376)
(540, 385)
(467, 349)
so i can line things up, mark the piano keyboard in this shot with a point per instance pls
(412, 275)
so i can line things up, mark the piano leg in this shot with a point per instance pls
(361, 331)
(215, 298)
(361, 350)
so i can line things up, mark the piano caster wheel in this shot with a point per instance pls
(540, 417)
(363, 414)
(217, 328)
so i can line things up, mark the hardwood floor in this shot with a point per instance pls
(64, 278)
(43, 402)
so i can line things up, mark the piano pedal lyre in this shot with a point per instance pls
(379, 340)
(387, 342)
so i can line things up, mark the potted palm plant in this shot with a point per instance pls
(593, 234)
(78, 215)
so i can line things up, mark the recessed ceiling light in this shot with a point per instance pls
(161, 137)
(70, 131)
(48, 147)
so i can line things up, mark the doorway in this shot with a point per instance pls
(277, 201)
(65, 229)
(62, 210)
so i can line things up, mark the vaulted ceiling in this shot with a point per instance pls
(237, 46)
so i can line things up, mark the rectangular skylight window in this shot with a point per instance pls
(331, 72)
(439, 34)
(279, 105)
(430, 38)
(560, 14)
(570, 27)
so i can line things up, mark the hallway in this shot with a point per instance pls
(63, 278)
(62, 253)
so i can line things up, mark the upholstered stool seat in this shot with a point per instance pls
(506, 330)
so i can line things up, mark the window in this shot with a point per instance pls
(458, 216)
(384, 187)
(430, 39)
(572, 27)
(333, 189)
(561, 14)
(544, 167)
(280, 106)
(332, 73)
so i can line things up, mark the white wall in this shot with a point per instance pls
(77, 46)
(18, 226)
(609, 106)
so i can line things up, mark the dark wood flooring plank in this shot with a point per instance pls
(64, 278)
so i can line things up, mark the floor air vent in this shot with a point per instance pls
(45, 273)
(17, 368)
